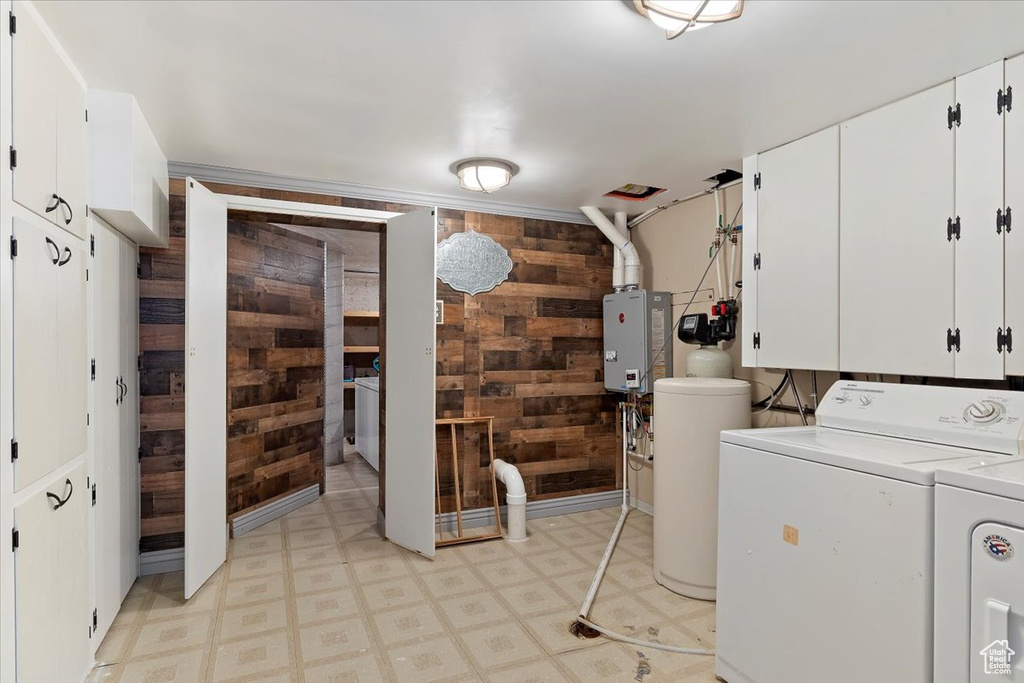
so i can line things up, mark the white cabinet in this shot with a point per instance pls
(48, 127)
(978, 240)
(896, 268)
(116, 469)
(128, 185)
(368, 419)
(54, 617)
(1013, 196)
(51, 369)
(791, 255)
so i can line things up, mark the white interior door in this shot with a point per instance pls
(896, 265)
(798, 248)
(206, 276)
(128, 436)
(409, 376)
(979, 249)
(107, 457)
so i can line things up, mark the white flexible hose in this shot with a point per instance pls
(603, 567)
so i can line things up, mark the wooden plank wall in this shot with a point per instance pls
(530, 353)
(275, 363)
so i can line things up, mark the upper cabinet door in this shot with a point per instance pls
(35, 114)
(979, 241)
(1013, 196)
(748, 309)
(37, 424)
(71, 143)
(798, 253)
(896, 271)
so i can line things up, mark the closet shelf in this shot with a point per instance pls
(362, 314)
(362, 349)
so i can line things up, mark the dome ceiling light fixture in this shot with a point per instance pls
(679, 16)
(484, 174)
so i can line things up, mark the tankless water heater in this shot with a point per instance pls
(637, 344)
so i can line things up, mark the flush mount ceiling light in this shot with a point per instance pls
(484, 175)
(679, 16)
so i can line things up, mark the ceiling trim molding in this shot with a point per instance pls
(234, 176)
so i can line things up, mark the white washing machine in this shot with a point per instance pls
(979, 573)
(825, 543)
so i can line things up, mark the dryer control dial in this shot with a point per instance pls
(984, 412)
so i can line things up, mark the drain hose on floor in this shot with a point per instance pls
(601, 568)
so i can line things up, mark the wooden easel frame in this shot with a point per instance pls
(453, 422)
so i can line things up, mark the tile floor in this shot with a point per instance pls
(319, 596)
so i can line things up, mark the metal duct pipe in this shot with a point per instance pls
(630, 257)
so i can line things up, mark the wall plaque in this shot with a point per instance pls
(471, 262)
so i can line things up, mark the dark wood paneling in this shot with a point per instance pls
(275, 362)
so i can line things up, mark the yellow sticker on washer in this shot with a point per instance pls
(790, 534)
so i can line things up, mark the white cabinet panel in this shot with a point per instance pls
(36, 565)
(748, 308)
(36, 348)
(52, 576)
(1013, 121)
(979, 248)
(72, 354)
(35, 114)
(128, 441)
(798, 251)
(896, 266)
(70, 169)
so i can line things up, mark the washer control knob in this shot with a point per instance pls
(842, 398)
(865, 400)
(983, 411)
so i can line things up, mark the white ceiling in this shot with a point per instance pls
(584, 96)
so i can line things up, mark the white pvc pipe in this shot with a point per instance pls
(720, 264)
(631, 258)
(733, 275)
(618, 271)
(515, 497)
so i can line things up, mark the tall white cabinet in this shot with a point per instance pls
(791, 245)
(115, 401)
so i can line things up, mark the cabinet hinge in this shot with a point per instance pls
(95, 619)
(138, 362)
(952, 229)
(94, 495)
(12, 23)
(87, 116)
(757, 181)
(1004, 100)
(140, 453)
(1004, 340)
(92, 245)
(757, 340)
(14, 158)
(952, 340)
(14, 450)
(93, 366)
(953, 116)
(757, 261)
(1003, 220)
(14, 247)
(15, 539)
(138, 270)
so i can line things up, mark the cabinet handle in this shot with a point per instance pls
(67, 257)
(56, 202)
(53, 244)
(124, 390)
(69, 487)
(71, 214)
(120, 393)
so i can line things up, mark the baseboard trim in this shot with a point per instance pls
(161, 561)
(646, 508)
(243, 524)
(535, 509)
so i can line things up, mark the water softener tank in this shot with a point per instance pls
(689, 415)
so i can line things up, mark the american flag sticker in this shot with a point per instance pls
(998, 547)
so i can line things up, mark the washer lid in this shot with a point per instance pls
(1004, 479)
(702, 386)
(882, 456)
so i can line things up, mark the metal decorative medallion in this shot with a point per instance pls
(473, 263)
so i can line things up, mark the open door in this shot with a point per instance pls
(206, 276)
(409, 390)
